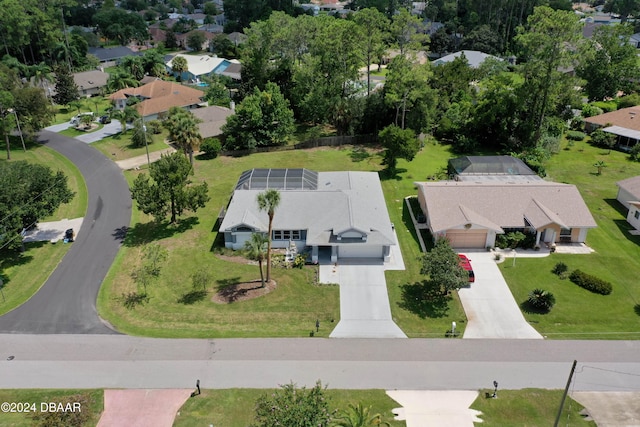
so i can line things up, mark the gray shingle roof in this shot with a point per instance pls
(342, 201)
(507, 205)
(631, 186)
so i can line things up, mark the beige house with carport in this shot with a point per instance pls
(471, 214)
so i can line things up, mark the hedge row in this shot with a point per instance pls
(574, 135)
(590, 283)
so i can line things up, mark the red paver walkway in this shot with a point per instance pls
(142, 408)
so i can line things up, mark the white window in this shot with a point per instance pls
(286, 234)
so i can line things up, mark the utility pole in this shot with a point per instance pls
(564, 395)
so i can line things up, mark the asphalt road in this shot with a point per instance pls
(66, 303)
(118, 361)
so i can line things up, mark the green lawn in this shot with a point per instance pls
(293, 308)
(119, 147)
(73, 132)
(234, 407)
(578, 313)
(527, 408)
(24, 273)
(92, 405)
(97, 104)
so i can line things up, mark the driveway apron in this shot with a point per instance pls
(491, 310)
(66, 303)
(364, 302)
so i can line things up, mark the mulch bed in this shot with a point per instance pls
(243, 291)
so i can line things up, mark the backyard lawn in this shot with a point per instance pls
(578, 313)
(23, 274)
(291, 310)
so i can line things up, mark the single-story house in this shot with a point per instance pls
(624, 123)
(213, 118)
(334, 215)
(471, 214)
(199, 66)
(158, 97)
(490, 168)
(628, 191)
(474, 58)
(112, 54)
(90, 82)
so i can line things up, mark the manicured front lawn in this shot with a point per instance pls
(91, 409)
(295, 305)
(234, 407)
(579, 314)
(24, 273)
(527, 408)
(119, 147)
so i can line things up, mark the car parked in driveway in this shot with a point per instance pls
(466, 264)
(104, 119)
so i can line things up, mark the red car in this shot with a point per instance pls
(466, 264)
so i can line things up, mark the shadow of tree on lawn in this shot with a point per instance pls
(141, 234)
(223, 283)
(636, 308)
(424, 300)
(192, 297)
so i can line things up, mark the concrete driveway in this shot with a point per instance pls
(107, 130)
(364, 302)
(491, 310)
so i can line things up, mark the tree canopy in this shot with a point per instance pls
(261, 119)
(399, 144)
(442, 267)
(293, 407)
(29, 193)
(169, 190)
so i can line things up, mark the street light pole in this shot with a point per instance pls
(146, 146)
(11, 110)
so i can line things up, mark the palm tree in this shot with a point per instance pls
(255, 249)
(134, 66)
(358, 416)
(121, 79)
(178, 66)
(269, 201)
(184, 131)
(153, 63)
(129, 114)
(600, 164)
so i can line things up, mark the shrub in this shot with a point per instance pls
(590, 283)
(634, 153)
(590, 110)
(299, 261)
(577, 123)
(541, 300)
(211, 147)
(629, 100)
(574, 135)
(606, 106)
(154, 126)
(560, 269)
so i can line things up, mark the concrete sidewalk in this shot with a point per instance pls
(142, 408)
(138, 161)
(491, 310)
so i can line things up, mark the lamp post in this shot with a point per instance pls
(11, 110)
(146, 146)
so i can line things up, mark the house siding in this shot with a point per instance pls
(631, 217)
(625, 197)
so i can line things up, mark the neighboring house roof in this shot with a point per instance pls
(342, 201)
(628, 118)
(212, 120)
(200, 65)
(474, 58)
(149, 79)
(159, 96)
(183, 38)
(91, 79)
(168, 23)
(631, 186)
(112, 53)
(234, 70)
(452, 204)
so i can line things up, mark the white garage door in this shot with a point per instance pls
(359, 251)
(467, 238)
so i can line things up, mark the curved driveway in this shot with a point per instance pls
(66, 303)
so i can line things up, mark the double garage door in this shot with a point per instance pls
(467, 238)
(360, 251)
